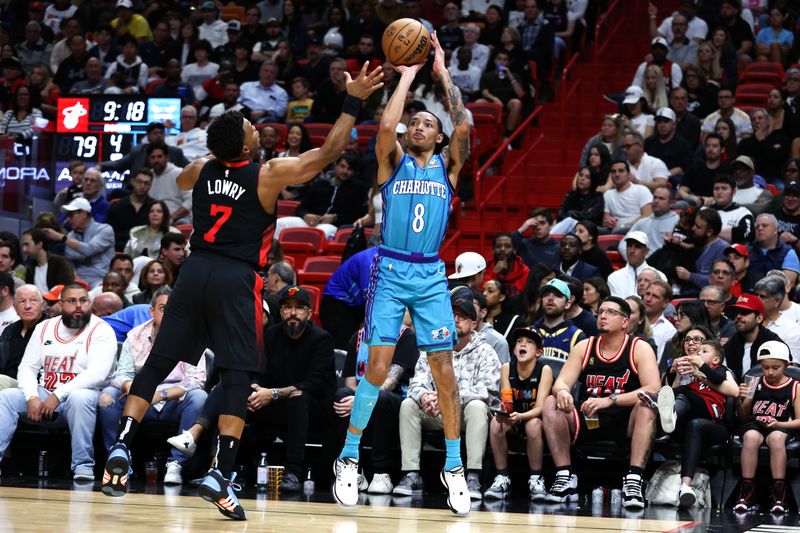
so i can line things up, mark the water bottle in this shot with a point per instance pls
(501, 72)
(597, 496)
(308, 484)
(42, 471)
(616, 498)
(261, 471)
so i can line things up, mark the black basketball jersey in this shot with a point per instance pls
(524, 390)
(775, 401)
(603, 376)
(228, 217)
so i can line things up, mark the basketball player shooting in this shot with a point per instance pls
(417, 186)
(217, 298)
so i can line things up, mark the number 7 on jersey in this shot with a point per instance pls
(225, 213)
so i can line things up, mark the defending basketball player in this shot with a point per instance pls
(611, 369)
(418, 186)
(217, 299)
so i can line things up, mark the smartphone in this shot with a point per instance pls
(499, 412)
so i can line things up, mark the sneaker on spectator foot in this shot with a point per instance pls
(380, 484)
(410, 484)
(474, 486)
(290, 483)
(117, 471)
(83, 473)
(345, 486)
(686, 497)
(564, 488)
(666, 408)
(747, 498)
(778, 497)
(458, 495)
(173, 475)
(500, 488)
(536, 488)
(363, 484)
(632, 497)
(220, 491)
(184, 443)
(650, 399)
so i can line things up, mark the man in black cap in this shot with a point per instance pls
(137, 157)
(786, 208)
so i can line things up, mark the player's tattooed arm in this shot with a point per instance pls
(392, 377)
(457, 152)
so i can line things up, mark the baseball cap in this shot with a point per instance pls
(667, 113)
(234, 25)
(207, 5)
(272, 21)
(529, 332)
(774, 350)
(78, 204)
(54, 294)
(468, 264)
(556, 285)
(125, 3)
(638, 236)
(793, 185)
(297, 292)
(740, 249)
(461, 298)
(633, 94)
(746, 161)
(660, 41)
(401, 128)
(36, 6)
(333, 39)
(749, 302)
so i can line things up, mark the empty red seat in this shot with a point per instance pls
(609, 242)
(302, 242)
(318, 131)
(287, 208)
(336, 246)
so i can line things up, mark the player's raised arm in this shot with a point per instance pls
(191, 173)
(294, 170)
(457, 152)
(387, 149)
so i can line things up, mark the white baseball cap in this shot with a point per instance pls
(638, 236)
(667, 113)
(633, 94)
(78, 204)
(125, 3)
(468, 264)
(774, 350)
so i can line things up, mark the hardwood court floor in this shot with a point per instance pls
(42, 510)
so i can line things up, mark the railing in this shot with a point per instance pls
(614, 9)
(566, 90)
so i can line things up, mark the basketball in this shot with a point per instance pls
(406, 42)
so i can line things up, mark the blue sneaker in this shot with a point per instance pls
(219, 491)
(117, 471)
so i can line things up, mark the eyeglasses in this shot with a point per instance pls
(720, 272)
(75, 301)
(694, 340)
(607, 311)
(711, 302)
(294, 308)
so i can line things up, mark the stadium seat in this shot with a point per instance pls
(609, 242)
(232, 11)
(365, 133)
(186, 229)
(318, 131)
(336, 246)
(302, 242)
(286, 208)
(616, 259)
(754, 94)
(764, 72)
(317, 270)
(315, 294)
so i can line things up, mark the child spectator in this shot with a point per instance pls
(300, 105)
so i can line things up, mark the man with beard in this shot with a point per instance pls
(29, 306)
(612, 369)
(507, 266)
(570, 264)
(559, 335)
(741, 349)
(737, 220)
(787, 211)
(165, 185)
(294, 392)
(707, 225)
(70, 371)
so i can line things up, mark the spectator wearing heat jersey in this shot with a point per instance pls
(44, 270)
(192, 138)
(506, 266)
(480, 52)
(165, 187)
(89, 245)
(644, 169)
(29, 306)
(72, 355)
(737, 220)
(465, 75)
(327, 205)
(179, 398)
(540, 247)
(626, 202)
(267, 99)
(706, 229)
(659, 48)
(129, 64)
(146, 239)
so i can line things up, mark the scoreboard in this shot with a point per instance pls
(101, 128)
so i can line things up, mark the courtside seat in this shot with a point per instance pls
(302, 242)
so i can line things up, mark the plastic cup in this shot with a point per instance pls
(592, 421)
(274, 478)
(750, 382)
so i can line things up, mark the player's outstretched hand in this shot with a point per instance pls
(439, 66)
(413, 69)
(365, 84)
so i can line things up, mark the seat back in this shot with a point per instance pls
(287, 208)
(315, 295)
(313, 236)
(186, 229)
(322, 264)
(609, 242)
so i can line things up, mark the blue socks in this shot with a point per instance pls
(453, 458)
(364, 403)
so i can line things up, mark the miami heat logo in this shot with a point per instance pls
(292, 291)
(72, 115)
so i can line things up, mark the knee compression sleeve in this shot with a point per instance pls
(153, 373)
(235, 390)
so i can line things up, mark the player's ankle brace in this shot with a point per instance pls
(453, 453)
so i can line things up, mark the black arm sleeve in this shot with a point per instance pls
(714, 375)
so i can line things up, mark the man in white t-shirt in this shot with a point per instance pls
(213, 30)
(7, 313)
(622, 282)
(480, 52)
(747, 192)
(465, 75)
(656, 299)
(56, 12)
(698, 29)
(727, 108)
(627, 202)
(645, 169)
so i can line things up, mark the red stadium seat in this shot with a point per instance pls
(609, 242)
(231, 11)
(487, 108)
(302, 242)
(186, 229)
(365, 133)
(764, 72)
(317, 270)
(287, 208)
(315, 294)
(616, 260)
(753, 94)
(289, 259)
(336, 246)
(318, 131)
